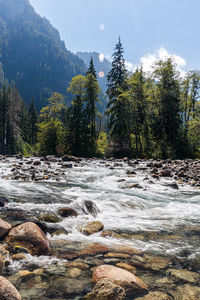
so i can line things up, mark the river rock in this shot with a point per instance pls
(90, 207)
(106, 289)
(37, 163)
(31, 236)
(49, 217)
(154, 263)
(5, 227)
(156, 296)
(183, 275)
(121, 277)
(1, 264)
(186, 292)
(8, 291)
(93, 227)
(126, 267)
(165, 173)
(67, 212)
(3, 201)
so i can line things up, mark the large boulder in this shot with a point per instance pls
(128, 281)
(106, 289)
(30, 236)
(8, 291)
(5, 227)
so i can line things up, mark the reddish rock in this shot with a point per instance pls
(67, 212)
(5, 227)
(30, 236)
(94, 249)
(128, 281)
(8, 291)
(126, 249)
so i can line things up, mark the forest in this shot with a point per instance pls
(148, 115)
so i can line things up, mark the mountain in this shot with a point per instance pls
(32, 54)
(102, 66)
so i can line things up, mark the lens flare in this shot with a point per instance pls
(101, 57)
(101, 74)
(101, 26)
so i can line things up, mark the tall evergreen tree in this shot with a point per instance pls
(139, 107)
(4, 118)
(76, 121)
(32, 120)
(167, 125)
(92, 92)
(91, 69)
(118, 106)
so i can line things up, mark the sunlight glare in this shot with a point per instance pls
(101, 26)
(101, 57)
(101, 74)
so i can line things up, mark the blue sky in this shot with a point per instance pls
(148, 28)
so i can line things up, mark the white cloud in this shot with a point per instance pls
(130, 66)
(149, 60)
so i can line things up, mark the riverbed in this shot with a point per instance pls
(158, 215)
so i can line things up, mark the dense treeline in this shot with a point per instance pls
(148, 115)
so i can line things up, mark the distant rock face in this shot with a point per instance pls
(8, 291)
(30, 236)
(121, 277)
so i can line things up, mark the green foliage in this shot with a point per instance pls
(50, 129)
(118, 105)
(102, 144)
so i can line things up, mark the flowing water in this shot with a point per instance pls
(154, 218)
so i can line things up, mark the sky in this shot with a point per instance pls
(149, 29)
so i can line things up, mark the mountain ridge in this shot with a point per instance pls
(32, 53)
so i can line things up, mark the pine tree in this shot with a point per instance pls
(117, 75)
(91, 69)
(118, 106)
(92, 92)
(4, 106)
(32, 120)
(167, 125)
(139, 107)
(76, 119)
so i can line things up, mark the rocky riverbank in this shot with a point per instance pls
(39, 259)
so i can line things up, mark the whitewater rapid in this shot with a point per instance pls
(153, 210)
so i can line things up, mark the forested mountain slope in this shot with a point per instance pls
(32, 53)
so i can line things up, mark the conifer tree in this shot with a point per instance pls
(92, 92)
(91, 69)
(32, 120)
(118, 106)
(167, 125)
(76, 121)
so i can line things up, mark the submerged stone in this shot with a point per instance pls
(121, 277)
(106, 289)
